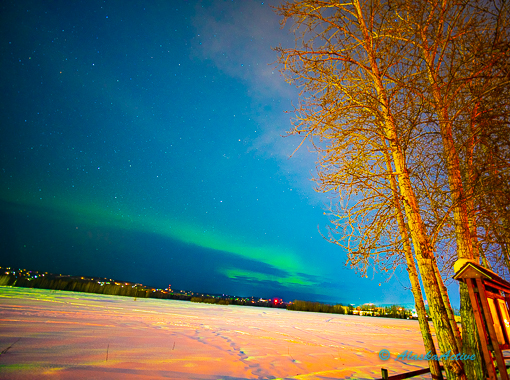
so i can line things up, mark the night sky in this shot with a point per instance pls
(142, 141)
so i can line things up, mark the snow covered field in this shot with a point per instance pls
(65, 335)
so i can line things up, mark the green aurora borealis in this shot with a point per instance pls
(92, 215)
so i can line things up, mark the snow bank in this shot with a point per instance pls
(67, 335)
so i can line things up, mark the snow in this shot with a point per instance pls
(66, 335)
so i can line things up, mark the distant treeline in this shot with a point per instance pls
(393, 311)
(296, 305)
(396, 311)
(87, 286)
(219, 301)
(236, 301)
(319, 307)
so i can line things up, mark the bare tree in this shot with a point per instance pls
(463, 50)
(356, 101)
(407, 104)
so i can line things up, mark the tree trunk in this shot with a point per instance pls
(459, 203)
(428, 342)
(421, 242)
(471, 341)
(449, 311)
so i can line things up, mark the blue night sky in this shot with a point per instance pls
(143, 142)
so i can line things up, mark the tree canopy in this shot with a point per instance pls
(406, 104)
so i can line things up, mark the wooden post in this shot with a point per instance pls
(492, 332)
(384, 373)
(481, 329)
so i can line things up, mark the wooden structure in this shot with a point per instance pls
(489, 295)
(407, 375)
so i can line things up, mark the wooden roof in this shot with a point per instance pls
(474, 271)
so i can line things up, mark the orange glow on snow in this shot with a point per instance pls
(81, 336)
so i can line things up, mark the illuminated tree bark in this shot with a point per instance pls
(434, 366)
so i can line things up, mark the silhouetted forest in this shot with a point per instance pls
(75, 284)
(239, 301)
(319, 307)
(33, 279)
